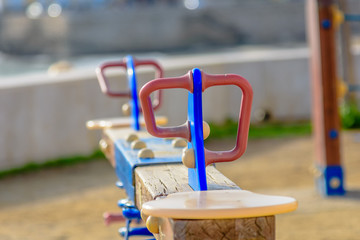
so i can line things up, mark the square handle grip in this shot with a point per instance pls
(183, 131)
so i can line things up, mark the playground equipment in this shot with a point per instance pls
(132, 108)
(339, 19)
(196, 157)
(324, 19)
(202, 204)
(129, 212)
(151, 168)
(343, 88)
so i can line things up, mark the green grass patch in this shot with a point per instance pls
(31, 167)
(265, 130)
(350, 116)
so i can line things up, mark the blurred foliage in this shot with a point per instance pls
(350, 115)
(263, 130)
(31, 167)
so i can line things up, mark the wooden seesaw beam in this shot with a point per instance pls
(156, 181)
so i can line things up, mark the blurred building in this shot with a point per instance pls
(103, 26)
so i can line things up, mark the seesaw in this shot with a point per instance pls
(204, 204)
(191, 200)
(130, 125)
(131, 108)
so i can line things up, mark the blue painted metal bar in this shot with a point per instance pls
(134, 102)
(131, 213)
(197, 175)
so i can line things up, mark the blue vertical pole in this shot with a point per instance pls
(134, 102)
(197, 175)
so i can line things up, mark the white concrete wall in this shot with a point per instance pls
(43, 117)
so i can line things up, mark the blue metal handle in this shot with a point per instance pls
(197, 175)
(134, 102)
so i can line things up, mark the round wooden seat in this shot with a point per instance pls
(218, 204)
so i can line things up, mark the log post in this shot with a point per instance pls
(326, 122)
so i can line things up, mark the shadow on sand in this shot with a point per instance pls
(353, 194)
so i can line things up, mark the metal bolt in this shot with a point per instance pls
(126, 109)
(138, 144)
(179, 143)
(152, 223)
(146, 153)
(132, 137)
(188, 158)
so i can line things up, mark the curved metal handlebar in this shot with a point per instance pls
(183, 131)
(104, 83)
(184, 82)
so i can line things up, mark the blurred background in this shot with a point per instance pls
(49, 50)
(33, 34)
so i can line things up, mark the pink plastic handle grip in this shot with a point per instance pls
(184, 82)
(159, 73)
(183, 130)
(104, 83)
(244, 116)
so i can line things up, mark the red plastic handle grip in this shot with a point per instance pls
(159, 73)
(183, 130)
(244, 116)
(104, 83)
(184, 82)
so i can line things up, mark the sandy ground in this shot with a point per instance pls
(68, 202)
